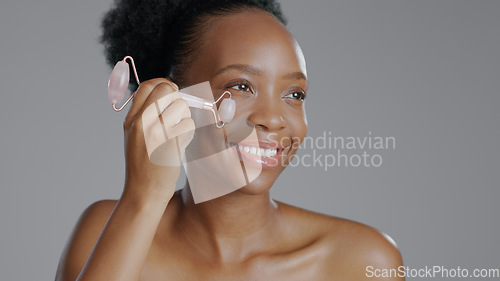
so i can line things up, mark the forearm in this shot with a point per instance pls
(121, 250)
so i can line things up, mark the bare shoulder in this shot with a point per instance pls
(98, 212)
(348, 248)
(94, 217)
(82, 240)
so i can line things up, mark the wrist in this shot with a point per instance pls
(141, 196)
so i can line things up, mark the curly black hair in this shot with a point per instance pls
(163, 35)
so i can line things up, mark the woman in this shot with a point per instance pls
(154, 233)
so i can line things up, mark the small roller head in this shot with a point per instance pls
(227, 109)
(118, 82)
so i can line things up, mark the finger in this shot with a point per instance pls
(156, 125)
(175, 112)
(142, 93)
(172, 106)
(184, 128)
(162, 144)
(185, 134)
(151, 113)
(162, 94)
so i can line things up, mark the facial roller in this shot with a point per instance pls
(118, 84)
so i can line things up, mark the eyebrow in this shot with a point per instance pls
(295, 76)
(259, 72)
(241, 67)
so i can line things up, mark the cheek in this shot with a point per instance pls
(299, 135)
(244, 105)
(297, 128)
(297, 121)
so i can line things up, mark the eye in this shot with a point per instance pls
(240, 86)
(299, 95)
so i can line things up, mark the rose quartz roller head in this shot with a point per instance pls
(118, 84)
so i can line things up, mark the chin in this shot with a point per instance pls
(263, 183)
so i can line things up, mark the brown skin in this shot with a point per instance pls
(155, 234)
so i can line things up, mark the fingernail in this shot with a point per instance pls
(174, 85)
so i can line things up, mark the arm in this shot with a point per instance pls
(120, 249)
(111, 241)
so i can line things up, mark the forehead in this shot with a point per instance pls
(254, 38)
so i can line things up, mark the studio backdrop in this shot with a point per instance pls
(402, 112)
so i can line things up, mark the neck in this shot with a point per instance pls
(229, 227)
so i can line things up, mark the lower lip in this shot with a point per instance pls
(257, 161)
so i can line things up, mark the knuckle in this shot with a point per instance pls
(162, 83)
(128, 123)
(180, 102)
(145, 87)
(137, 124)
(190, 123)
(177, 107)
(166, 87)
(183, 105)
(187, 124)
(174, 86)
(175, 95)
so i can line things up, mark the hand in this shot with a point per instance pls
(157, 130)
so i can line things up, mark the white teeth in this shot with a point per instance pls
(262, 152)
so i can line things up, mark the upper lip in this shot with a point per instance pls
(262, 144)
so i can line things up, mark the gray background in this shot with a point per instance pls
(426, 72)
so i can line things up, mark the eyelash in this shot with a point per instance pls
(249, 88)
(238, 84)
(301, 93)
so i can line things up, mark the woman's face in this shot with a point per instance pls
(252, 55)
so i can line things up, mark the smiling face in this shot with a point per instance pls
(252, 55)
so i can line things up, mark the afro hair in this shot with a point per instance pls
(161, 35)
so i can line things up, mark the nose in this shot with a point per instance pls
(267, 115)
